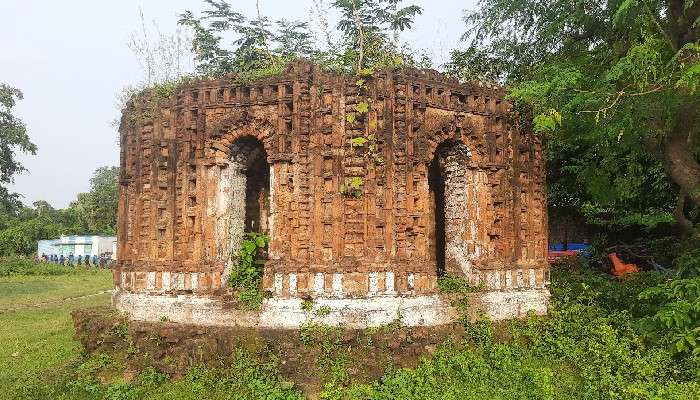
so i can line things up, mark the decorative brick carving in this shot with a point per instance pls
(188, 171)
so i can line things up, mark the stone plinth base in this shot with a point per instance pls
(350, 313)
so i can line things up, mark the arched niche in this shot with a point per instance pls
(452, 190)
(244, 196)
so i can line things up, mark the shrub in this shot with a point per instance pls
(152, 378)
(455, 284)
(122, 391)
(590, 346)
(688, 263)
(677, 319)
(246, 377)
(19, 266)
(246, 277)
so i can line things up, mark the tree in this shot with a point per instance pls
(369, 38)
(293, 39)
(96, 210)
(250, 48)
(366, 26)
(13, 138)
(20, 231)
(619, 77)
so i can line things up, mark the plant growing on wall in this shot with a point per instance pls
(456, 284)
(352, 187)
(247, 276)
(368, 140)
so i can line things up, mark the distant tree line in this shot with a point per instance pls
(93, 212)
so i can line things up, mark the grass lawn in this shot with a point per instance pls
(590, 346)
(37, 334)
(37, 290)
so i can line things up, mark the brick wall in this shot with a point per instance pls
(183, 171)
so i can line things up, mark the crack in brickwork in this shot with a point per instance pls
(181, 174)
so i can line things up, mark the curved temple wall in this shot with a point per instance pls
(186, 163)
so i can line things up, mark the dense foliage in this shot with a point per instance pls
(366, 37)
(615, 85)
(244, 376)
(13, 139)
(595, 344)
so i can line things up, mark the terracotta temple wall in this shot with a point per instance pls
(181, 172)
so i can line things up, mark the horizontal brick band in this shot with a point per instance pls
(167, 282)
(173, 266)
(328, 284)
(349, 285)
(518, 278)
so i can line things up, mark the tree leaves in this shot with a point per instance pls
(362, 107)
(366, 26)
(96, 210)
(612, 73)
(678, 312)
(13, 139)
(255, 45)
(548, 121)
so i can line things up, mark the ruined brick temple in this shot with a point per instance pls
(369, 189)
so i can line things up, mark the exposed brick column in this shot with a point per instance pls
(231, 201)
(453, 161)
(231, 222)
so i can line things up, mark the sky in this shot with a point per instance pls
(70, 59)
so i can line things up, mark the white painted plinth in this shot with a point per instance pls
(509, 304)
(349, 313)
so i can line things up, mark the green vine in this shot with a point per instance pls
(352, 187)
(246, 278)
(368, 140)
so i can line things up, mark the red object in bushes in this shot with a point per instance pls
(620, 268)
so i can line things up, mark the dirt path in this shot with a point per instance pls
(52, 302)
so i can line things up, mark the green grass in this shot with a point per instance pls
(22, 266)
(37, 336)
(40, 360)
(37, 290)
(591, 346)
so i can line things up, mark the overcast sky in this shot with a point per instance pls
(71, 60)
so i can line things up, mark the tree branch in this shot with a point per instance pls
(623, 93)
(662, 31)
